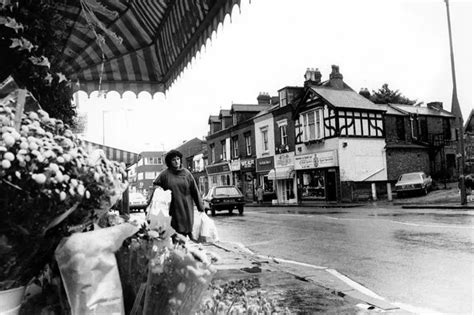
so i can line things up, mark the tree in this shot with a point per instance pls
(385, 95)
(31, 34)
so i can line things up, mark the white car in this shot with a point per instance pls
(137, 201)
(413, 182)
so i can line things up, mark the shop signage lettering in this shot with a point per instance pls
(235, 165)
(285, 159)
(247, 164)
(316, 160)
(265, 164)
(218, 168)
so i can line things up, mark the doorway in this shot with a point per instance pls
(331, 192)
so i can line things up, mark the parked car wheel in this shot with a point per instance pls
(213, 212)
(241, 210)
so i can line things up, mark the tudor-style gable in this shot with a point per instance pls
(329, 110)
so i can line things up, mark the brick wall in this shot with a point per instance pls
(401, 161)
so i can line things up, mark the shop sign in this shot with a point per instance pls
(285, 159)
(265, 164)
(247, 164)
(218, 168)
(316, 160)
(235, 165)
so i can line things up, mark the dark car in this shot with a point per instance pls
(224, 198)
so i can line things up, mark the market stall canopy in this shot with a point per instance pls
(131, 45)
(113, 154)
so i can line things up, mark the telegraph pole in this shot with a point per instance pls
(456, 110)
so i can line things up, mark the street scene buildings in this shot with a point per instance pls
(323, 142)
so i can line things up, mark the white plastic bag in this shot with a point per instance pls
(208, 232)
(89, 269)
(197, 224)
(159, 208)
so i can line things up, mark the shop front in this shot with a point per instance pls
(219, 174)
(247, 170)
(317, 176)
(236, 177)
(283, 176)
(263, 167)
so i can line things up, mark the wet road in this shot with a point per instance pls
(421, 258)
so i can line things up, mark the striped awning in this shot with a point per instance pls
(113, 154)
(143, 45)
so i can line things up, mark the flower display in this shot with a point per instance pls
(50, 187)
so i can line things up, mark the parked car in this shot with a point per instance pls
(412, 183)
(224, 198)
(137, 201)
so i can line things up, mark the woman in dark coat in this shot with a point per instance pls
(184, 192)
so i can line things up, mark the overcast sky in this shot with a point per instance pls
(270, 43)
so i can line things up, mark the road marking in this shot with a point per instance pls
(402, 223)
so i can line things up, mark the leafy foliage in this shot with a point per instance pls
(27, 31)
(385, 95)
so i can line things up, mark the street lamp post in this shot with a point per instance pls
(455, 108)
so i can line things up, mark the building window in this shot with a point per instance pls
(248, 144)
(224, 150)
(153, 161)
(400, 125)
(213, 153)
(235, 147)
(150, 175)
(446, 129)
(141, 176)
(283, 135)
(283, 99)
(312, 125)
(264, 132)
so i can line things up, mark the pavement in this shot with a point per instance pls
(298, 287)
(442, 197)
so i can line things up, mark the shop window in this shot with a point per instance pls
(267, 184)
(312, 184)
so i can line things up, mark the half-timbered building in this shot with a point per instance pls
(340, 141)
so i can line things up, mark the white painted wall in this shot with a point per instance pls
(260, 122)
(362, 159)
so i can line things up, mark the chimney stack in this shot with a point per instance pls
(365, 93)
(435, 105)
(312, 76)
(264, 98)
(335, 78)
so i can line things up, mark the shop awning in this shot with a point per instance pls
(123, 45)
(113, 154)
(282, 173)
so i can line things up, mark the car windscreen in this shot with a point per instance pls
(409, 177)
(136, 196)
(226, 191)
